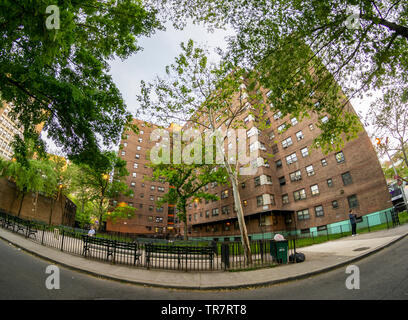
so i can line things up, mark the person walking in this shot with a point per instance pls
(353, 221)
(91, 231)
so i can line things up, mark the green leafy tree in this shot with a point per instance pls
(58, 75)
(388, 116)
(187, 182)
(102, 181)
(212, 99)
(362, 44)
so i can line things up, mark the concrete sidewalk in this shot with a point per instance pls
(319, 258)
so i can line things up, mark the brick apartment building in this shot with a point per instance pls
(298, 187)
(8, 128)
(149, 218)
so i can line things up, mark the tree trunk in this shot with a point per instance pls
(52, 208)
(185, 223)
(21, 204)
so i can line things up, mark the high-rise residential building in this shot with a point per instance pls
(295, 186)
(149, 218)
(8, 129)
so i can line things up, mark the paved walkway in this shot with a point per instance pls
(319, 258)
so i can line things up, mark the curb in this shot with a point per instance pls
(205, 288)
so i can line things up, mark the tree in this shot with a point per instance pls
(212, 99)
(187, 182)
(102, 181)
(363, 44)
(388, 117)
(56, 73)
(35, 176)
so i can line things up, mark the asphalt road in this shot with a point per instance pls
(383, 275)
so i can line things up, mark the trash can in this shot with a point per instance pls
(279, 250)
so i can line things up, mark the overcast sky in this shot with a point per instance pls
(160, 50)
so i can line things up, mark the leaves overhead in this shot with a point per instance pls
(59, 77)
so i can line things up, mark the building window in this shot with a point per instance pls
(330, 182)
(304, 152)
(335, 204)
(346, 178)
(311, 127)
(299, 194)
(271, 135)
(278, 164)
(310, 170)
(152, 188)
(352, 201)
(125, 144)
(299, 135)
(135, 165)
(224, 194)
(275, 149)
(315, 190)
(152, 198)
(141, 195)
(257, 181)
(277, 115)
(133, 184)
(272, 199)
(291, 158)
(282, 127)
(259, 201)
(287, 142)
(138, 148)
(324, 162)
(243, 185)
(134, 174)
(215, 212)
(324, 119)
(282, 181)
(303, 214)
(123, 153)
(225, 210)
(160, 189)
(137, 156)
(295, 176)
(319, 211)
(207, 214)
(285, 199)
(159, 209)
(294, 121)
(340, 157)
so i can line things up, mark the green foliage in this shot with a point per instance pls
(60, 77)
(98, 183)
(304, 51)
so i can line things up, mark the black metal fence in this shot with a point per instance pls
(143, 253)
(178, 254)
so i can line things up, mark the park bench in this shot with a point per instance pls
(112, 248)
(186, 253)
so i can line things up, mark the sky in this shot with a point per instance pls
(160, 50)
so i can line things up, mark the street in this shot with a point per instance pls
(383, 275)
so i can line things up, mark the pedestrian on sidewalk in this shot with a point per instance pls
(353, 221)
(91, 231)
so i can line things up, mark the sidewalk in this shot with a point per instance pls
(319, 258)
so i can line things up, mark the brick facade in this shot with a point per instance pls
(63, 210)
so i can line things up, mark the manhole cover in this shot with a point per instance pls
(361, 249)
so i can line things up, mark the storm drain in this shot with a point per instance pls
(361, 249)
